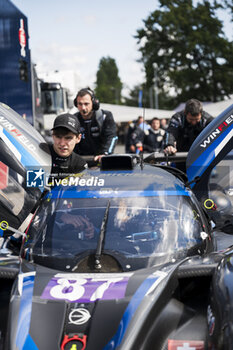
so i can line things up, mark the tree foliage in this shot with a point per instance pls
(148, 98)
(108, 84)
(194, 58)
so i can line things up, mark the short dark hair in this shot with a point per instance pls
(194, 107)
(85, 91)
(155, 118)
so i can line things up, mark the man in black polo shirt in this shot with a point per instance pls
(97, 126)
(185, 126)
(66, 135)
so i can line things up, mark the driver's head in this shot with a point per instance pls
(193, 111)
(66, 134)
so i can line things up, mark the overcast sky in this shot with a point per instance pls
(75, 35)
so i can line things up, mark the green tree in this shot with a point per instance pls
(108, 84)
(132, 99)
(194, 58)
(148, 98)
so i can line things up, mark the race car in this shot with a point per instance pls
(129, 255)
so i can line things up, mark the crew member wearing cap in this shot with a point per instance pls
(97, 126)
(66, 135)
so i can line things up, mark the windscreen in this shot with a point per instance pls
(135, 228)
(52, 101)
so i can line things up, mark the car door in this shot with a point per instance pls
(22, 149)
(210, 170)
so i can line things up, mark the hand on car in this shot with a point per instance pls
(170, 150)
(97, 158)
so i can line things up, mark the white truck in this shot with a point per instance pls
(55, 100)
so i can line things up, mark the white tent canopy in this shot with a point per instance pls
(126, 114)
(216, 108)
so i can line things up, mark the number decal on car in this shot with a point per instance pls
(85, 290)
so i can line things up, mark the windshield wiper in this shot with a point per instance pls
(101, 238)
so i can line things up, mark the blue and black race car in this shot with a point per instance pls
(129, 255)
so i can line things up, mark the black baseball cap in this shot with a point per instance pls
(68, 121)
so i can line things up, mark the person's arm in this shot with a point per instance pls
(77, 163)
(171, 135)
(208, 117)
(109, 134)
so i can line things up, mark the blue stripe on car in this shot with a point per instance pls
(113, 194)
(27, 158)
(205, 159)
(29, 344)
(130, 311)
(23, 339)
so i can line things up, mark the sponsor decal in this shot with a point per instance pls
(3, 175)
(15, 132)
(9, 144)
(22, 38)
(79, 316)
(185, 344)
(78, 289)
(71, 122)
(216, 132)
(211, 153)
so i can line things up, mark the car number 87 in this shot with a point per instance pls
(76, 289)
